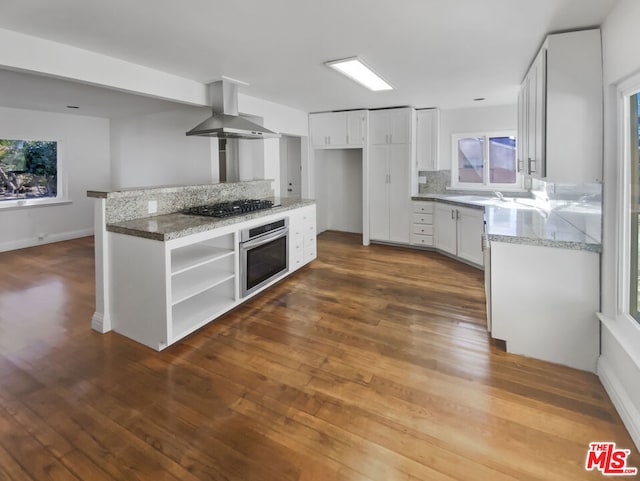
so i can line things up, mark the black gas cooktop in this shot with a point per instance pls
(227, 209)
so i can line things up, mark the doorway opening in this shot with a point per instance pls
(290, 166)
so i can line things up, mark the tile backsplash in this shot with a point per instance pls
(439, 182)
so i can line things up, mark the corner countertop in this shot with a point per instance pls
(173, 226)
(563, 224)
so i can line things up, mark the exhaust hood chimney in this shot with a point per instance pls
(225, 123)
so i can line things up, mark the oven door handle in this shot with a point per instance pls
(264, 239)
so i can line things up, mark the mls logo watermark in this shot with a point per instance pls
(610, 461)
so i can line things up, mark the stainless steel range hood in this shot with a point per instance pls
(225, 123)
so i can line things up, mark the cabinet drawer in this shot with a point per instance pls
(309, 241)
(297, 260)
(296, 244)
(309, 229)
(422, 240)
(423, 219)
(422, 229)
(423, 207)
(309, 254)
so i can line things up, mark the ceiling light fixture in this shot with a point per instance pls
(479, 99)
(356, 69)
(72, 107)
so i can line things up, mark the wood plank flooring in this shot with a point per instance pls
(371, 364)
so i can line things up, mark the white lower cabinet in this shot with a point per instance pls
(163, 291)
(544, 302)
(459, 231)
(302, 240)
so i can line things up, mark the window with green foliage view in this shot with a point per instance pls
(28, 169)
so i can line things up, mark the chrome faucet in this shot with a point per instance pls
(499, 195)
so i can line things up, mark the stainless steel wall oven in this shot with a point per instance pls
(264, 255)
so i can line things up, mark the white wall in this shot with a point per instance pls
(84, 158)
(470, 120)
(619, 365)
(280, 118)
(338, 190)
(153, 150)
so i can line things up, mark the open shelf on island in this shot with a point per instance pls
(198, 310)
(185, 258)
(195, 281)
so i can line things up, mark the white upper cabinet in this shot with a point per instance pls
(427, 131)
(392, 126)
(338, 130)
(560, 129)
(356, 128)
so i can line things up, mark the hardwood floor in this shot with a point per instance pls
(371, 364)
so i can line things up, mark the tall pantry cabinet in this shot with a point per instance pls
(391, 151)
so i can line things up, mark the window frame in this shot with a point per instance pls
(61, 197)
(486, 184)
(623, 202)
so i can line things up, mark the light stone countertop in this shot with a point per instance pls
(173, 226)
(562, 224)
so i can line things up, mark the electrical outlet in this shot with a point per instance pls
(152, 206)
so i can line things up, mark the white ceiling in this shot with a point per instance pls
(438, 53)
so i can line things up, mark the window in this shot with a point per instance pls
(634, 207)
(484, 161)
(28, 171)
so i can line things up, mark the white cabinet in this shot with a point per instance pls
(422, 218)
(356, 128)
(390, 187)
(531, 118)
(163, 291)
(390, 154)
(560, 110)
(446, 228)
(391, 126)
(459, 231)
(427, 131)
(303, 237)
(544, 302)
(469, 235)
(332, 130)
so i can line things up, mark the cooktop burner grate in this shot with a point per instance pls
(227, 209)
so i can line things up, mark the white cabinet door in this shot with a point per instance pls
(337, 128)
(355, 128)
(378, 127)
(469, 235)
(532, 110)
(445, 228)
(399, 126)
(522, 129)
(319, 126)
(379, 197)
(400, 193)
(427, 128)
(540, 129)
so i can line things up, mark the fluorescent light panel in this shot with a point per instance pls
(357, 70)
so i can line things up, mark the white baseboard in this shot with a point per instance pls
(32, 242)
(97, 322)
(621, 399)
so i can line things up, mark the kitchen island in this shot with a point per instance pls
(542, 274)
(161, 277)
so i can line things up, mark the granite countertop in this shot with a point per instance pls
(563, 224)
(173, 226)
